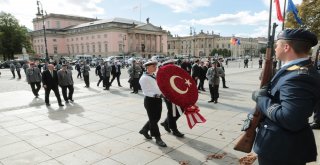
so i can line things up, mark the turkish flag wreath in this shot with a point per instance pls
(179, 88)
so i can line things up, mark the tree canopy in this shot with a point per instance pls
(13, 37)
(309, 12)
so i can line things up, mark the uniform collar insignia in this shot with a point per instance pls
(294, 67)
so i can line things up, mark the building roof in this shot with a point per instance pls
(102, 21)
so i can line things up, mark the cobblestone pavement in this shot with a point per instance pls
(101, 127)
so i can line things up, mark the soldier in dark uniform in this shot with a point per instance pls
(152, 103)
(134, 73)
(85, 71)
(106, 71)
(284, 135)
(98, 73)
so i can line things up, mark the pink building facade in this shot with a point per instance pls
(72, 35)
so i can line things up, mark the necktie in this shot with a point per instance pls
(51, 74)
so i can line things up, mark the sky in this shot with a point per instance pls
(242, 18)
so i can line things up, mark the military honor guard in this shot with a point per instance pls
(65, 81)
(98, 73)
(106, 71)
(152, 103)
(284, 135)
(33, 75)
(134, 73)
(85, 72)
(50, 82)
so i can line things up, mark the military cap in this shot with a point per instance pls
(150, 62)
(298, 35)
(171, 61)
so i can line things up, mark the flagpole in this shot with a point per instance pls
(284, 13)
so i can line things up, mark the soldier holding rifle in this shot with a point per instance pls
(284, 135)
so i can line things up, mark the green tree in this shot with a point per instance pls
(213, 52)
(13, 36)
(309, 14)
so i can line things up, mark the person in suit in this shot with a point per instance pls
(152, 103)
(33, 75)
(106, 71)
(134, 73)
(116, 72)
(213, 74)
(65, 81)
(202, 77)
(50, 82)
(85, 71)
(98, 73)
(196, 71)
(284, 135)
(18, 69)
(12, 68)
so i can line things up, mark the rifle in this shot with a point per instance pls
(246, 140)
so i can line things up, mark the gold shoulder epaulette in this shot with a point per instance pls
(294, 67)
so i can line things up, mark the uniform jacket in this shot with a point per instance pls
(33, 75)
(214, 74)
(85, 70)
(284, 133)
(196, 70)
(48, 80)
(65, 78)
(106, 70)
(114, 69)
(203, 72)
(12, 67)
(18, 67)
(98, 70)
(134, 71)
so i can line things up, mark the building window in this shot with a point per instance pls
(77, 39)
(168, 46)
(106, 48)
(55, 49)
(58, 24)
(93, 48)
(209, 45)
(82, 49)
(71, 39)
(99, 47)
(218, 46)
(54, 40)
(77, 46)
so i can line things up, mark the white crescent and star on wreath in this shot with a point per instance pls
(175, 88)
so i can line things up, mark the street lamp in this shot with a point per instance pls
(40, 15)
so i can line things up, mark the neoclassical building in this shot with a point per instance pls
(203, 43)
(72, 35)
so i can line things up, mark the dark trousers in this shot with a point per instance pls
(13, 74)
(171, 120)
(154, 108)
(196, 80)
(114, 77)
(316, 115)
(214, 92)
(79, 74)
(86, 80)
(99, 81)
(223, 81)
(265, 161)
(201, 83)
(56, 92)
(106, 82)
(19, 75)
(135, 84)
(35, 91)
(64, 92)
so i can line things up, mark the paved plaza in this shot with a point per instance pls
(101, 127)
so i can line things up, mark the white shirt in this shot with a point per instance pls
(149, 86)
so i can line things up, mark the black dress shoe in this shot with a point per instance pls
(161, 143)
(215, 101)
(315, 125)
(166, 126)
(61, 105)
(71, 100)
(133, 92)
(210, 101)
(47, 104)
(119, 86)
(145, 134)
(177, 133)
(67, 102)
(225, 87)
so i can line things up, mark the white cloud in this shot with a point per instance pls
(26, 10)
(184, 5)
(240, 18)
(177, 29)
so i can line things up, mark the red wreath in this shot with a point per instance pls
(180, 88)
